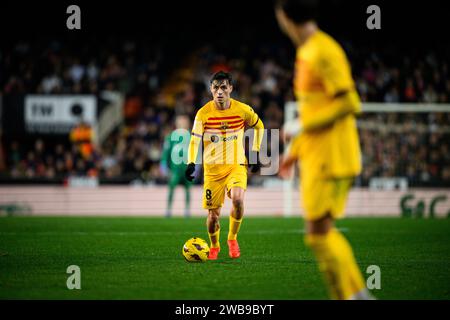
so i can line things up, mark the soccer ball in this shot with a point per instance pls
(195, 250)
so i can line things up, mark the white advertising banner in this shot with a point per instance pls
(82, 199)
(58, 113)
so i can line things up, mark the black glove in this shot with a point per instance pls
(189, 174)
(255, 166)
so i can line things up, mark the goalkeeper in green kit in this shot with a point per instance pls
(174, 162)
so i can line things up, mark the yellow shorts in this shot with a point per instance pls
(322, 196)
(214, 190)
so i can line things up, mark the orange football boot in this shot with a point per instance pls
(233, 248)
(213, 253)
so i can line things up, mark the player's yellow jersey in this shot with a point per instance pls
(222, 134)
(322, 75)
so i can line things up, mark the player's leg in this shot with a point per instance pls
(187, 192)
(336, 261)
(236, 215)
(236, 186)
(333, 252)
(187, 208)
(213, 196)
(237, 211)
(173, 182)
(213, 225)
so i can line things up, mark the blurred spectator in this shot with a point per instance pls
(82, 137)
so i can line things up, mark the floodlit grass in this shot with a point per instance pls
(140, 258)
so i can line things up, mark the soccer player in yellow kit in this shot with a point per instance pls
(220, 125)
(327, 146)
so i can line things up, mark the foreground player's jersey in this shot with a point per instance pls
(322, 73)
(222, 133)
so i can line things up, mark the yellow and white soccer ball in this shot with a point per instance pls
(195, 250)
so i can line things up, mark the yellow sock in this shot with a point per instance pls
(234, 227)
(337, 263)
(214, 239)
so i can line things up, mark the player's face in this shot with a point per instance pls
(182, 122)
(221, 91)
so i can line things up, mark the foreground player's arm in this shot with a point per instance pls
(291, 153)
(344, 102)
(335, 71)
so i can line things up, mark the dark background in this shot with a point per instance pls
(184, 24)
(179, 26)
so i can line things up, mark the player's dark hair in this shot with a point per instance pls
(221, 76)
(299, 11)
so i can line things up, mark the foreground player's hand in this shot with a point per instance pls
(255, 167)
(286, 170)
(190, 171)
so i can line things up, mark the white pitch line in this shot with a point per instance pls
(147, 233)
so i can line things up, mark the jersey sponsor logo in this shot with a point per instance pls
(230, 138)
(215, 138)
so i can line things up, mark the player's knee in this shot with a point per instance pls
(317, 231)
(321, 226)
(238, 202)
(213, 215)
(315, 241)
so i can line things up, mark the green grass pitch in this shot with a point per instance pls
(140, 258)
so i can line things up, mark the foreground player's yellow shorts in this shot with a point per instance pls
(322, 196)
(214, 191)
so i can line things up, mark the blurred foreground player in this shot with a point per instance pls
(173, 162)
(220, 126)
(327, 146)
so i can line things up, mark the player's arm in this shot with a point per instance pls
(253, 121)
(258, 127)
(290, 156)
(344, 102)
(196, 138)
(194, 145)
(339, 86)
(293, 133)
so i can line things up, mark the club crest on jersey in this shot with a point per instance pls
(224, 125)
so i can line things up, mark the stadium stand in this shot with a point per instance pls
(415, 146)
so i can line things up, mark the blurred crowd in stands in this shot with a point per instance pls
(156, 90)
(411, 145)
